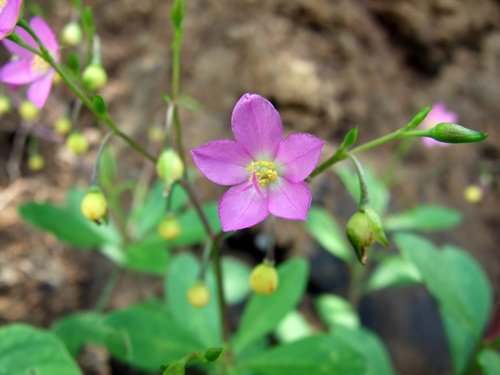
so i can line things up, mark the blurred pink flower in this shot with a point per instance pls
(437, 115)
(9, 15)
(268, 171)
(31, 68)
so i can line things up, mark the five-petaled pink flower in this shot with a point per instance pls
(268, 171)
(29, 67)
(9, 15)
(437, 115)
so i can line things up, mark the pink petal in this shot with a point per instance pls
(240, 208)
(222, 161)
(298, 155)
(47, 37)
(39, 90)
(257, 126)
(9, 16)
(430, 142)
(18, 72)
(289, 200)
(16, 49)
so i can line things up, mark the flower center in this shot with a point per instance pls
(39, 64)
(2, 4)
(263, 171)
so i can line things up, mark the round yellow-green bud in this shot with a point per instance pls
(36, 162)
(94, 77)
(169, 167)
(5, 104)
(77, 143)
(28, 111)
(169, 228)
(198, 295)
(94, 204)
(72, 34)
(62, 125)
(264, 279)
(156, 133)
(473, 194)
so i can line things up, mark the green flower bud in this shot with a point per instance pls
(212, 354)
(175, 368)
(264, 279)
(36, 162)
(72, 34)
(77, 143)
(363, 229)
(94, 77)
(62, 125)
(94, 205)
(169, 228)
(453, 133)
(169, 167)
(28, 111)
(5, 105)
(198, 295)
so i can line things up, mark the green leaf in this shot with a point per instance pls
(424, 218)
(236, 275)
(461, 288)
(293, 326)
(74, 64)
(418, 118)
(152, 337)
(152, 211)
(324, 229)
(88, 22)
(321, 354)
(147, 256)
(489, 361)
(202, 323)
(99, 104)
(335, 311)
(263, 313)
(28, 350)
(393, 271)
(349, 139)
(379, 194)
(77, 330)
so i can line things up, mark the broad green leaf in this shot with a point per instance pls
(335, 311)
(394, 271)
(459, 285)
(489, 361)
(151, 212)
(321, 354)
(77, 330)
(369, 346)
(263, 312)
(26, 350)
(324, 229)
(236, 275)
(424, 218)
(147, 256)
(293, 327)
(152, 337)
(202, 323)
(379, 194)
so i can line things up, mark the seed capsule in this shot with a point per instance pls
(77, 143)
(198, 295)
(94, 205)
(169, 228)
(264, 279)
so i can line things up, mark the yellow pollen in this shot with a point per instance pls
(39, 64)
(264, 171)
(2, 4)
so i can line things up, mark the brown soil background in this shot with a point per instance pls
(327, 65)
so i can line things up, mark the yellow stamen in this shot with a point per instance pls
(264, 171)
(2, 4)
(39, 64)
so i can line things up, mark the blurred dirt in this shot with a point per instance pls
(327, 65)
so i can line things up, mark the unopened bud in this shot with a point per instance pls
(77, 143)
(169, 167)
(28, 111)
(363, 229)
(212, 354)
(453, 133)
(198, 295)
(473, 194)
(94, 205)
(72, 34)
(5, 105)
(36, 162)
(264, 279)
(169, 228)
(94, 77)
(62, 125)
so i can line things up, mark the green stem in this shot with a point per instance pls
(224, 316)
(364, 199)
(95, 167)
(107, 291)
(45, 54)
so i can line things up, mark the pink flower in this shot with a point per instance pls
(31, 68)
(9, 15)
(268, 171)
(437, 115)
